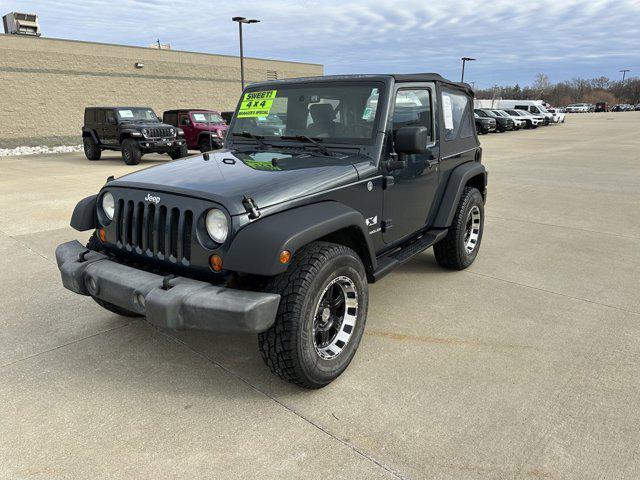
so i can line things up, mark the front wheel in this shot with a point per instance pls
(179, 152)
(131, 153)
(321, 316)
(460, 247)
(206, 145)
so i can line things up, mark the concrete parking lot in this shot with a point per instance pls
(525, 366)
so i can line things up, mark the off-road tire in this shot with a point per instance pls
(95, 245)
(131, 153)
(91, 149)
(288, 346)
(450, 252)
(205, 145)
(179, 152)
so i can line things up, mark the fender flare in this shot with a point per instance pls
(457, 181)
(84, 215)
(88, 132)
(256, 248)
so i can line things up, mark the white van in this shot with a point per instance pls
(535, 107)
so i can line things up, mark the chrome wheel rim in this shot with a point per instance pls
(472, 230)
(335, 317)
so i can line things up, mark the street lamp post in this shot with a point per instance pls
(465, 60)
(624, 73)
(240, 21)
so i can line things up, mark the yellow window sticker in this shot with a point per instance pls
(256, 104)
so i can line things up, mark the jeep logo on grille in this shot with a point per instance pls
(152, 199)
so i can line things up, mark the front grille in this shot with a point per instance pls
(159, 132)
(156, 231)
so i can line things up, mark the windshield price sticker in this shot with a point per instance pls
(125, 113)
(256, 104)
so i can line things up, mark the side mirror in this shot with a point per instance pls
(111, 120)
(412, 140)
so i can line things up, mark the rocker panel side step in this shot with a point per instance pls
(392, 260)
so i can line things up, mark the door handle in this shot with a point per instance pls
(432, 163)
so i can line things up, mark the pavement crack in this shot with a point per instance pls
(23, 244)
(29, 357)
(579, 229)
(303, 417)
(593, 302)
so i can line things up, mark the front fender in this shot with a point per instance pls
(84, 215)
(256, 248)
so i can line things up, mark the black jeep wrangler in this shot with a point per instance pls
(279, 235)
(132, 130)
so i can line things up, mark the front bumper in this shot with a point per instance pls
(159, 145)
(184, 303)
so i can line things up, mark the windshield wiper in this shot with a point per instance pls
(304, 138)
(256, 138)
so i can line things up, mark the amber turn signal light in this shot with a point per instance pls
(103, 234)
(216, 262)
(285, 256)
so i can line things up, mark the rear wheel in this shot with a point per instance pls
(460, 247)
(91, 149)
(321, 316)
(131, 153)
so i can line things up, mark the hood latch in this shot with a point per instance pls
(250, 206)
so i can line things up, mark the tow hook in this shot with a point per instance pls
(251, 207)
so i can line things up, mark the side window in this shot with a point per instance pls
(101, 116)
(183, 119)
(457, 119)
(413, 108)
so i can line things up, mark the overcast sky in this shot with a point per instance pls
(512, 40)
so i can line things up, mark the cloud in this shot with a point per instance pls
(511, 40)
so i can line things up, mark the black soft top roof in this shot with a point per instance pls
(398, 78)
(178, 110)
(124, 107)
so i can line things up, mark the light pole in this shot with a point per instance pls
(240, 21)
(624, 73)
(465, 60)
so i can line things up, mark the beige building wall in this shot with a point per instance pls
(45, 84)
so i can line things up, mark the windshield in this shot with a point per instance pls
(207, 117)
(500, 113)
(136, 114)
(333, 112)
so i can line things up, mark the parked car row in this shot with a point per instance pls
(136, 131)
(625, 107)
(601, 107)
(501, 120)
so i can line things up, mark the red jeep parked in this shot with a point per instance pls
(204, 130)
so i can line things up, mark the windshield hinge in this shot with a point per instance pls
(251, 207)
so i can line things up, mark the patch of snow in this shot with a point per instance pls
(7, 152)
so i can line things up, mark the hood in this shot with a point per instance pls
(141, 125)
(229, 175)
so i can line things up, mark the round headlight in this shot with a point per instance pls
(108, 205)
(172, 130)
(217, 225)
(145, 132)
